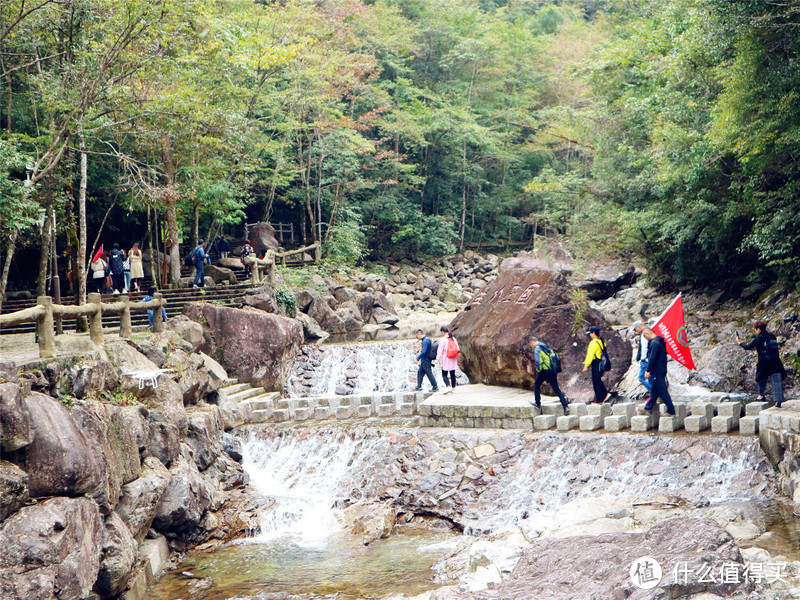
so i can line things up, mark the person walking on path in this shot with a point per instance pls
(593, 355)
(657, 372)
(545, 373)
(223, 247)
(447, 357)
(247, 250)
(769, 365)
(116, 260)
(200, 258)
(137, 268)
(99, 267)
(424, 361)
(641, 354)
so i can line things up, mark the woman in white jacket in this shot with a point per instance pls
(447, 357)
(99, 268)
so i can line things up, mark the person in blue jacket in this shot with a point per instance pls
(425, 364)
(200, 258)
(151, 292)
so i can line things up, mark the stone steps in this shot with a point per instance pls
(479, 408)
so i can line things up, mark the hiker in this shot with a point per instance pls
(223, 247)
(116, 260)
(99, 267)
(447, 357)
(247, 250)
(641, 354)
(424, 359)
(656, 372)
(769, 365)
(151, 292)
(137, 269)
(594, 353)
(199, 258)
(545, 372)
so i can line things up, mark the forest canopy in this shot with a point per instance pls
(663, 130)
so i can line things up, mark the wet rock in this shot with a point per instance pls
(186, 499)
(61, 460)
(558, 569)
(118, 557)
(372, 521)
(520, 304)
(311, 329)
(257, 346)
(140, 498)
(51, 550)
(313, 304)
(13, 488)
(232, 446)
(16, 427)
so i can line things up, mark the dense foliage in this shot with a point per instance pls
(663, 129)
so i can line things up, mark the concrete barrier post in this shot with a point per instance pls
(158, 319)
(125, 328)
(96, 318)
(47, 340)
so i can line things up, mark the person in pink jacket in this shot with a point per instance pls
(448, 346)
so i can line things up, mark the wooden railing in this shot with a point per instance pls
(45, 314)
(263, 269)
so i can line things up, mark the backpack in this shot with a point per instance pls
(605, 361)
(190, 259)
(772, 349)
(452, 348)
(434, 350)
(555, 362)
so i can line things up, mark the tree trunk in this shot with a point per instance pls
(150, 236)
(196, 228)
(81, 273)
(41, 284)
(463, 195)
(12, 243)
(172, 245)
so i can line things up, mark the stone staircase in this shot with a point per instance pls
(477, 406)
(260, 402)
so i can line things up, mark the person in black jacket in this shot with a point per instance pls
(424, 362)
(769, 365)
(116, 260)
(657, 372)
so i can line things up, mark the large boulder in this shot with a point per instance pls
(61, 460)
(205, 436)
(231, 263)
(603, 280)
(724, 368)
(13, 488)
(311, 329)
(140, 498)
(262, 238)
(186, 499)
(51, 550)
(163, 437)
(119, 554)
(16, 426)
(349, 313)
(494, 329)
(188, 330)
(92, 376)
(259, 347)
(220, 273)
(314, 305)
(558, 569)
(262, 300)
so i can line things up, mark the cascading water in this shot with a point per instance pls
(357, 369)
(306, 477)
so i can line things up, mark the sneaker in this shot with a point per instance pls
(566, 411)
(645, 411)
(116, 292)
(448, 391)
(434, 390)
(417, 389)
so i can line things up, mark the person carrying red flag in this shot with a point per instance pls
(672, 327)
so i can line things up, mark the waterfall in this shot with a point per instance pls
(357, 369)
(307, 477)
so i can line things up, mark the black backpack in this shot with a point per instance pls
(772, 349)
(555, 362)
(433, 351)
(605, 361)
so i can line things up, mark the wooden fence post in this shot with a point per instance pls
(317, 253)
(47, 340)
(96, 318)
(158, 319)
(125, 329)
(256, 276)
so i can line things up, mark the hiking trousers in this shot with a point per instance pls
(547, 376)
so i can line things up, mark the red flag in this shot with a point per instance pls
(98, 254)
(672, 327)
